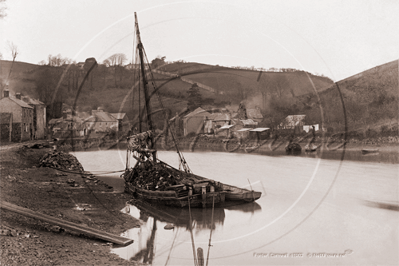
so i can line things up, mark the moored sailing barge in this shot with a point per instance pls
(155, 181)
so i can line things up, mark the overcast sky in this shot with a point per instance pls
(334, 38)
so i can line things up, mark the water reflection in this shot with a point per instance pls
(270, 224)
(182, 217)
(191, 221)
(146, 254)
(249, 207)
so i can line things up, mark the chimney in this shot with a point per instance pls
(18, 95)
(6, 93)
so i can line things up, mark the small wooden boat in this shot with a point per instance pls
(293, 148)
(240, 194)
(369, 151)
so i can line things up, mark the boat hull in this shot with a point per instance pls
(244, 197)
(170, 198)
(179, 198)
(237, 194)
(368, 151)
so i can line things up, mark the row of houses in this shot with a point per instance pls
(81, 124)
(22, 118)
(242, 122)
(209, 122)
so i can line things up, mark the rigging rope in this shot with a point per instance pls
(210, 235)
(191, 233)
(183, 162)
(170, 250)
(91, 172)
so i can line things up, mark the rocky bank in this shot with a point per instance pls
(74, 197)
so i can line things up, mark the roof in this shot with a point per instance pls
(198, 112)
(254, 114)
(249, 122)
(17, 101)
(105, 117)
(260, 129)
(221, 117)
(226, 126)
(29, 100)
(55, 121)
(118, 115)
(101, 117)
(83, 115)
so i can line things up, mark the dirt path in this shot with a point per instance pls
(85, 200)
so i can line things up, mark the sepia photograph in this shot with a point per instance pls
(199, 132)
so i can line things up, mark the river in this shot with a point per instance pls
(312, 212)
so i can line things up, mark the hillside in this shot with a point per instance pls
(104, 87)
(370, 99)
(239, 84)
(229, 85)
(22, 76)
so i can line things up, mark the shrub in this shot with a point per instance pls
(191, 135)
(371, 133)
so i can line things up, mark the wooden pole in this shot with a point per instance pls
(67, 225)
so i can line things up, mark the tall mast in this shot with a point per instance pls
(145, 82)
(144, 77)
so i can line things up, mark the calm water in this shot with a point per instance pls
(309, 207)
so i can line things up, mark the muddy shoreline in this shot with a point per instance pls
(86, 201)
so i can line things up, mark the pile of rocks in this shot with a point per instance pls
(61, 160)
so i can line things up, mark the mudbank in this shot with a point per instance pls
(81, 199)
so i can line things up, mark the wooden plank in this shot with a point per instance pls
(67, 225)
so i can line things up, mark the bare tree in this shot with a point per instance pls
(14, 52)
(57, 60)
(116, 62)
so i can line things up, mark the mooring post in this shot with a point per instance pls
(203, 192)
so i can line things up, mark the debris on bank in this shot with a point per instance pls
(61, 160)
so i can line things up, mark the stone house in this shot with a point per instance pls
(293, 122)
(100, 121)
(22, 116)
(39, 117)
